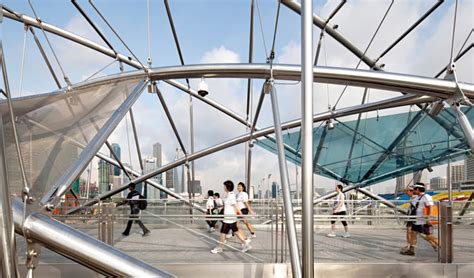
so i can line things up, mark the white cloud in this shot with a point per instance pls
(79, 62)
(220, 55)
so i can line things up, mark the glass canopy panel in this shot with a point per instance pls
(55, 128)
(381, 148)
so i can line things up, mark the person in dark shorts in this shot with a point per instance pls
(133, 199)
(422, 225)
(243, 203)
(339, 208)
(411, 212)
(231, 210)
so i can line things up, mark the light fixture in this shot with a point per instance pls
(152, 87)
(203, 88)
(330, 124)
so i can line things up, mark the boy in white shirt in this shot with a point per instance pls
(231, 210)
(210, 205)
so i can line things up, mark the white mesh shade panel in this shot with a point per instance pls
(53, 130)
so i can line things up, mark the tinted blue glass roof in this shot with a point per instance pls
(377, 149)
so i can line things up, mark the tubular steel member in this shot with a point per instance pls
(8, 256)
(382, 200)
(9, 260)
(397, 101)
(307, 139)
(446, 232)
(285, 184)
(80, 247)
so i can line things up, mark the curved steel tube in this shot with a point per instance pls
(362, 78)
(80, 247)
(376, 80)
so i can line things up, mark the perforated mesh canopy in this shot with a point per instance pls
(382, 148)
(54, 129)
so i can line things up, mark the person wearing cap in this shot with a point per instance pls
(422, 224)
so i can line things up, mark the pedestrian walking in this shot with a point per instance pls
(243, 203)
(339, 208)
(210, 206)
(231, 210)
(133, 199)
(422, 225)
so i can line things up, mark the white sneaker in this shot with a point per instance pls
(217, 250)
(228, 235)
(331, 234)
(253, 235)
(346, 235)
(211, 230)
(246, 246)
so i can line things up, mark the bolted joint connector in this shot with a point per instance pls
(451, 68)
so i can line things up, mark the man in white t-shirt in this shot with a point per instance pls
(210, 205)
(231, 210)
(422, 223)
(339, 208)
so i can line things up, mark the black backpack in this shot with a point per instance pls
(142, 203)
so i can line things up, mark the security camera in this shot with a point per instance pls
(203, 88)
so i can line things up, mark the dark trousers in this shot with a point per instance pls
(344, 223)
(211, 223)
(134, 217)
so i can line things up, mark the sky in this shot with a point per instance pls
(218, 32)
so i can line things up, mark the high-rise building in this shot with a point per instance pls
(178, 186)
(169, 178)
(274, 190)
(469, 168)
(117, 151)
(125, 180)
(149, 165)
(157, 153)
(438, 183)
(105, 171)
(196, 187)
(457, 175)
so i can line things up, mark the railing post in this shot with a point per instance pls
(106, 222)
(446, 232)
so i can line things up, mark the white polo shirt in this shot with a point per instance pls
(229, 210)
(242, 197)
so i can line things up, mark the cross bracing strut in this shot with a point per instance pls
(394, 102)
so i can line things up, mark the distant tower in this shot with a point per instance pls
(457, 175)
(438, 183)
(117, 151)
(104, 176)
(157, 153)
(149, 165)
